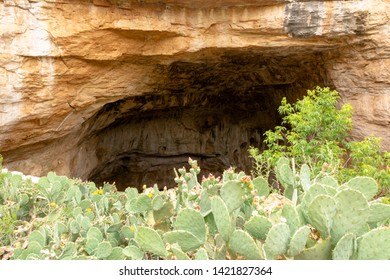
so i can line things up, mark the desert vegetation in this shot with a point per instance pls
(313, 194)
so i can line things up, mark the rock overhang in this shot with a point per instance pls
(88, 55)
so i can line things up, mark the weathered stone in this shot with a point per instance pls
(110, 89)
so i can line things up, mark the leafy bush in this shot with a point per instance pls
(233, 217)
(314, 132)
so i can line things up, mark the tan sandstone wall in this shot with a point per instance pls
(61, 61)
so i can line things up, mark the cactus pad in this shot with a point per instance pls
(305, 177)
(277, 241)
(243, 244)
(344, 248)
(149, 240)
(320, 251)
(375, 245)
(366, 185)
(379, 213)
(192, 221)
(221, 217)
(327, 180)
(351, 215)
(258, 227)
(201, 254)
(291, 215)
(179, 254)
(133, 252)
(298, 241)
(186, 240)
(261, 186)
(320, 214)
(309, 196)
(232, 194)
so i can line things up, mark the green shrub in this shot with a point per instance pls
(314, 132)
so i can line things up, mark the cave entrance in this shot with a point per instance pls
(211, 110)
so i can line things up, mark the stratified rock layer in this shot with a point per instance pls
(128, 90)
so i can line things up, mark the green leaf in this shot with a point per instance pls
(77, 211)
(205, 203)
(33, 257)
(327, 180)
(86, 223)
(61, 228)
(164, 213)
(285, 175)
(23, 199)
(126, 232)
(131, 193)
(140, 204)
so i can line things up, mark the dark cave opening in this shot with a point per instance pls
(210, 110)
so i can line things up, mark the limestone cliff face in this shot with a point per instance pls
(101, 88)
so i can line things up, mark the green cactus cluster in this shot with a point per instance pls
(232, 217)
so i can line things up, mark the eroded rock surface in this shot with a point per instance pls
(128, 90)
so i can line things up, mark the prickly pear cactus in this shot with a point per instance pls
(233, 217)
(352, 212)
(149, 240)
(305, 177)
(374, 245)
(233, 194)
(345, 248)
(298, 241)
(243, 244)
(258, 227)
(322, 250)
(320, 214)
(366, 185)
(221, 217)
(277, 241)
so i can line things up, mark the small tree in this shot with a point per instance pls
(314, 131)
